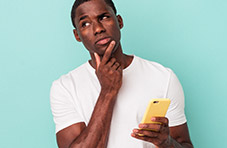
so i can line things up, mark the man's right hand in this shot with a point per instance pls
(108, 70)
(95, 133)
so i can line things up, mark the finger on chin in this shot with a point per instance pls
(108, 52)
(97, 60)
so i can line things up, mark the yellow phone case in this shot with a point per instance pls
(156, 108)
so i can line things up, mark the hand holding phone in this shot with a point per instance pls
(155, 108)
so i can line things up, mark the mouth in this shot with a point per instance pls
(103, 41)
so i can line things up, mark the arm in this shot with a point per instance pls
(98, 126)
(180, 136)
(95, 134)
(162, 136)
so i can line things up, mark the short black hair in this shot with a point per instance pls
(77, 3)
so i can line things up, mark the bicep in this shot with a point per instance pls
(180, 133)
(66, 136)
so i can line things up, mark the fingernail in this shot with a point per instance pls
(113, 42)
(133, 135)
(153, 118)
(143, 126)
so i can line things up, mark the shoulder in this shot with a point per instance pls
(67, 80)
(72, 74)
(152, 67)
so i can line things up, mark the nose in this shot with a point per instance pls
(98, 28)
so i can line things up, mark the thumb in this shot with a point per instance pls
(97, 59)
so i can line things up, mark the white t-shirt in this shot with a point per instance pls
(74, 96)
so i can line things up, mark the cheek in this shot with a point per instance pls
(117, 34)
(85, 37)
(116, 31)
(88, 45)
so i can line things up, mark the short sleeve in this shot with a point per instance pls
(63, 107)
(175, 114)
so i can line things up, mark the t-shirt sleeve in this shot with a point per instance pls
(175, 113)
(63, 107)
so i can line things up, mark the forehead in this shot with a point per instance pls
(93, 7)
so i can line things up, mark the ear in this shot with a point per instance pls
(120, 21)
(76, 35)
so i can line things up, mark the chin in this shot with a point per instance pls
(101, 51)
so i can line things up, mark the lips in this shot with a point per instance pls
(103, 41)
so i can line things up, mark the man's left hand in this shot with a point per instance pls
(156, 133)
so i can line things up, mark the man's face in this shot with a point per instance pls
(97, 26)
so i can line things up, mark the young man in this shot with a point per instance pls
(101, 103)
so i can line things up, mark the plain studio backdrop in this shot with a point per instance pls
(37, 46)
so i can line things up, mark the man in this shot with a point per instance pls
(101, 103)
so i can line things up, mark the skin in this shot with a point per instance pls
(95, 20)
(162, 135)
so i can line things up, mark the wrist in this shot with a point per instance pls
(168, 143)
(109, 92)
(108, 95)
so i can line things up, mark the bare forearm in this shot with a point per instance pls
(104, 139)
(172, 143)
(181, 145)
(96, 133)
(109, 74)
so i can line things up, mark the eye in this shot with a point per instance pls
(104, 17)
(85, 24)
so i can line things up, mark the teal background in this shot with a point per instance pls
(37, 46)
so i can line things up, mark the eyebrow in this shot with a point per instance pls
(103, 14)
(83, 17)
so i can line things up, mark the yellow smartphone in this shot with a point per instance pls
(156, 108)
